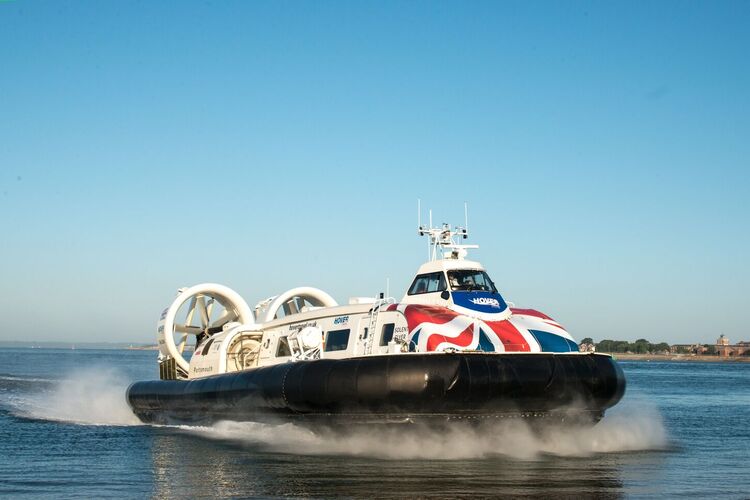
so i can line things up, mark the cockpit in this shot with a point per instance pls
(458, 279)
(463, 290)
(470, 280)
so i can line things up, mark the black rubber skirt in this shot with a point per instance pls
(391, 388)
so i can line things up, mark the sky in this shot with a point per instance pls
(603, 149)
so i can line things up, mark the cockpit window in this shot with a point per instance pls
(428, 283)
(470, 279)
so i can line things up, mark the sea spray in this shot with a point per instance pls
(94, 395)
(632, 428)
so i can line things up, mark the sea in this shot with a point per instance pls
(682, 430)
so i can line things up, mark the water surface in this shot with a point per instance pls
(65, 431)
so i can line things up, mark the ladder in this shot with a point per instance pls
(374, 320)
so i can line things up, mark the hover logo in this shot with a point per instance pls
(486, 301)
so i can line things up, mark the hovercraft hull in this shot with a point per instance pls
(391, 388)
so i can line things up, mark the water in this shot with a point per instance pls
(65, 431)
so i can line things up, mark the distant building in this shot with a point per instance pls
(721, 348)
(698, 349)
(586, 347)
(739, 349)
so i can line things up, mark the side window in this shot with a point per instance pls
(428, 283)
(387, 334)
(208, 346)
(283, 348)
(337, 340)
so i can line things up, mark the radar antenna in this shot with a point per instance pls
(445, 237)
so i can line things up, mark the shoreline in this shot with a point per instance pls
(689, 358)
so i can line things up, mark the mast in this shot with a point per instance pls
(445, 238)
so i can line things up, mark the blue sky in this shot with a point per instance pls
(602, 147)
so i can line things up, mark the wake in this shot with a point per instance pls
(633, 429)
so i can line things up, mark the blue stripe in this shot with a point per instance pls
(550, 342)
(414, 341)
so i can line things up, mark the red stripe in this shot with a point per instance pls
(415, 315)
(531, 312)
(509, 335)
(555, 324)
(463, 340)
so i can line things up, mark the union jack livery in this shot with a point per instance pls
(434, 328)
(451, 347)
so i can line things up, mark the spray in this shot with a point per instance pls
(633, 428)
(94, 396)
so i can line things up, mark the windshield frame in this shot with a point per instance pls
(458, 277)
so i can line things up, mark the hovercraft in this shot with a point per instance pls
(451, 349)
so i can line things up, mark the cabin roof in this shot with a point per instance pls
(317, 313)
(448, 265)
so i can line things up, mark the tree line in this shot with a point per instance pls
(640, 346)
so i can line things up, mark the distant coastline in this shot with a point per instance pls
(25, 344)
(128, 346)
(680, 357)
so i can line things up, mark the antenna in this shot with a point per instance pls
(466, 220)
(444, 237)
(466, 215)
(419, 216)
(388, 287)
(430, 255)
